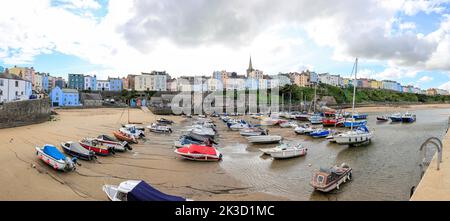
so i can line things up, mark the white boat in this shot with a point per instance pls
(255, 131)
(315, 119)
(304, 129)
(203, 131)
(286, 151)
(357, 136)
(264, 139)
(288, 124)
(159, 128)
(115, 145)
(328, 179)
(132, 131)
(135, 126)
(239, 126)
(269, 121)
(137, 190)
(54, 158)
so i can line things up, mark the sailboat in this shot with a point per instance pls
(361, 134)
(315, 118)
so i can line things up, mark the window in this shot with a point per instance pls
(17, 84)
(1, 82)
(1, 92)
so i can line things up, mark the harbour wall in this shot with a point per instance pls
(435, 184)
(22, 113)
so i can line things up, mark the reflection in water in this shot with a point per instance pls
(384, 170)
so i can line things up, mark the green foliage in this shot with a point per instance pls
(345, 95)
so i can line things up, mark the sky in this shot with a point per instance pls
(403, 40)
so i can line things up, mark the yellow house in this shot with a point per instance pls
(376, 84)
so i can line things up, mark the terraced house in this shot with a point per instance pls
(14, 88)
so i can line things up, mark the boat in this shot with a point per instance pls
(333, 122)
(215, 114)
(302, 117)
(135, 126)
(93, 145)
(326, 180)
(268, 121)
(117, 146)
(360, 135)
(50, 155)
(133, 132)
(358, 116)
(383, 118)
(315, 119)
(332, 137)
(320, 133)
(137, 190)
(200, 138)
(197, 152)
(397, 117)
(408, 118)
(264, 139)
(125, 137)
(286, 151)
(76, 150)
(288, 124)
(166, 121)
(254, 131)
(156, 128)
(202, 131)
(303, 129)
(354, 123)
(238, 126)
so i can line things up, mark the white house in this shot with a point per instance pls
(155, 81)
(103, 85)
(334, 80)
(14, 88)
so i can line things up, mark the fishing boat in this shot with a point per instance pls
(360, 135)
(165, 121)
(156, 128)
(125, 137)
(117, 146)
(76, 150)
(383, 118)
(288, 124)
(137, 190)
(408, 118)
(95, 146)
(254, 131)
(50, 155)
(320, 133)
(397, 117)
(264, 139)
(286, 151)
(315, 119)
(326, 180)
(199, 153)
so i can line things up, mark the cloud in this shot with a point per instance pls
(425, 79)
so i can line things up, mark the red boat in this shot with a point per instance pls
(331, 122)
(199, 153)
(94, 146)
(330, 114)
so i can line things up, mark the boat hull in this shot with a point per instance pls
(56, 164)
(289, 154)
(264, 139)
(86, 157)
(334, 185)
(97, 150)
(353, 139)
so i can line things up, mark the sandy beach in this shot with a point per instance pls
(24, 177)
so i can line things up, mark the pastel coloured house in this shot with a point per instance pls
(65, 97)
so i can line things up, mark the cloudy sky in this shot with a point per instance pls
(402, 40)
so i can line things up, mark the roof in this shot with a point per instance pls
(11, 76)
(68, 90)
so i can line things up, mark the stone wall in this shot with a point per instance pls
(21, 113)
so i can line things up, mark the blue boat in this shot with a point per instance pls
(396, 118)
(359, 116)
(137, 190)
(408, 118)
(352, 123)
(320, 133)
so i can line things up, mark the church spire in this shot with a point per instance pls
(250, 67)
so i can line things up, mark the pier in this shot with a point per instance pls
(435, 183)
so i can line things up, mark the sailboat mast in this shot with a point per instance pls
(354, 92)
(315, 97)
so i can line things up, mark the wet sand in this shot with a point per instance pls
(24, 177)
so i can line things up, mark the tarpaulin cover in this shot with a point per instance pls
(145, 192)
(54, 152)
(198, 149)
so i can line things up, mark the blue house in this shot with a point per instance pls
(65, 97)
(45, 85)
(115, 84)
(76, 81)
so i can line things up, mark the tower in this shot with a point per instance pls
(250, 67)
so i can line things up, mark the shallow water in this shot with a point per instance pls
(384, 170)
